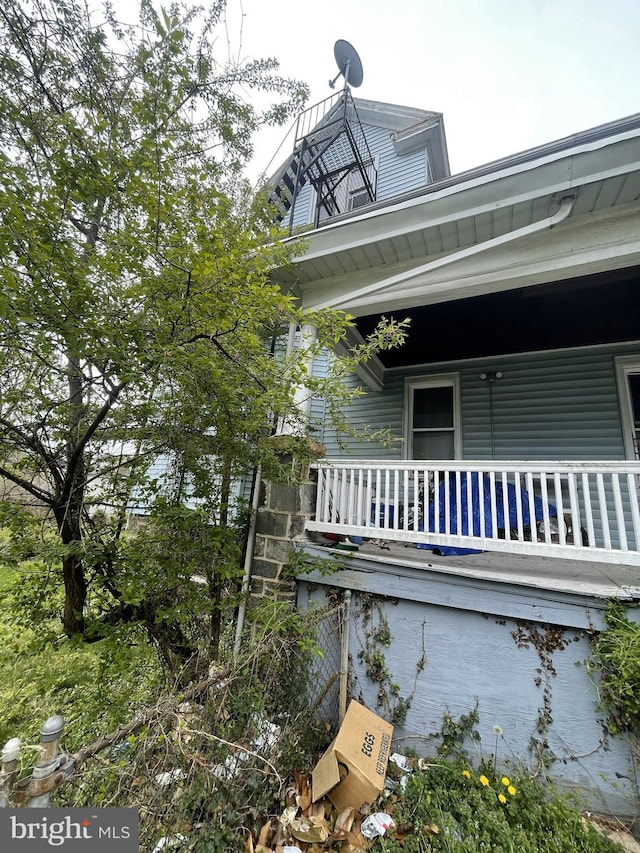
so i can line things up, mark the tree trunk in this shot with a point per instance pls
(179, 657)
(75, 594)
(68, 512)
(213, 573)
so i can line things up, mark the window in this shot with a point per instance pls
(433, 417)
(628, 370)
(350, 193)
(358, 198)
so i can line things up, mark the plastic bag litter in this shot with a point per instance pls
(400, 761)
(169, 776)
(397, 773)
(376, 824)
(169, 841)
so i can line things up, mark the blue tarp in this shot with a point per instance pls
(471, 527)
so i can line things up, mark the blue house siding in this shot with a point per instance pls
(469, 636)
(370, 411)
(303, 213)
(553, 405)
(396, 174)
(548, 406)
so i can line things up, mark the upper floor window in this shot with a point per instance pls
(433, 417)
(349, 193)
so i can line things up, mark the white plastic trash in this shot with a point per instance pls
(376, 824)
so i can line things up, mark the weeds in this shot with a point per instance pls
(450, 806)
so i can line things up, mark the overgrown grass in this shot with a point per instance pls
(94, 686)
(222, 790)
(616, 659)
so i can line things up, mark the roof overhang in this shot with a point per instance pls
(472, 234)
(427, 134)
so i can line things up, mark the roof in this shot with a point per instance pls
(411, 128)
(567, 208)
(393, 116)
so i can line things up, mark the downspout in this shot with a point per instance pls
(248, 561)
(566, 206)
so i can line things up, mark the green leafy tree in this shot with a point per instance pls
(137, 313)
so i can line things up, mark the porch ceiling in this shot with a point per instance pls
(598, 309)
(378, 260)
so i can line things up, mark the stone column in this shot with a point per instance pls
(281, 519)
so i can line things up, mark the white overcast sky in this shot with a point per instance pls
(506, 74)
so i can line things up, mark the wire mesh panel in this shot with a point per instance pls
(329, 669)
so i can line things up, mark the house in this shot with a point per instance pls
(486, 541)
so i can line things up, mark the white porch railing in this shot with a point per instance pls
(574, 510)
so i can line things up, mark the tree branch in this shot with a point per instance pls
(148, 715)
(29, 487)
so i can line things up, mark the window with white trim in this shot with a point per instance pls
(628, 371)
(433, 417)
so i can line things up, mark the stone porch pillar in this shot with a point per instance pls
(281, 518)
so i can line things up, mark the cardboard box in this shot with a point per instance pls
(352, 770)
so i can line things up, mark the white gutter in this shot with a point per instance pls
(514, 165)
(566, 206)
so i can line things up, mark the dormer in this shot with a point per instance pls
(350, 153)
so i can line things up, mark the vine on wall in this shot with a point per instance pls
(546, 640)
(615, 661)
(375, 638)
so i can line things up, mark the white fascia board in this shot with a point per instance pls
(581, 246)
(552, 173)
(391, 116)
(528, 274)
(415, 137)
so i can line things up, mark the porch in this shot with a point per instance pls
(586, 513)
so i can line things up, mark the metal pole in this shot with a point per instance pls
(344, 655)
(10, 756)
(47, 762)
(248, 561)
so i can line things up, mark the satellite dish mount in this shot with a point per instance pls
(349, 65)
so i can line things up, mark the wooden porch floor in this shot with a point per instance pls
(600, 580)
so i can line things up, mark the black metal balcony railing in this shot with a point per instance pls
(329, 147)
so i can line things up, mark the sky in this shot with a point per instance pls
(506, 74)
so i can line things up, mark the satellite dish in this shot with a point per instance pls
(348, 63)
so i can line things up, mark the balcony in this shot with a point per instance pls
(579, 511)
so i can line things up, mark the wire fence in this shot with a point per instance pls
(330, 671)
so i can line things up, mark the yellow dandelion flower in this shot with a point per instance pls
(466, 774)
(484, 781)
(506, 781)
(502, 798)
(511, 790)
